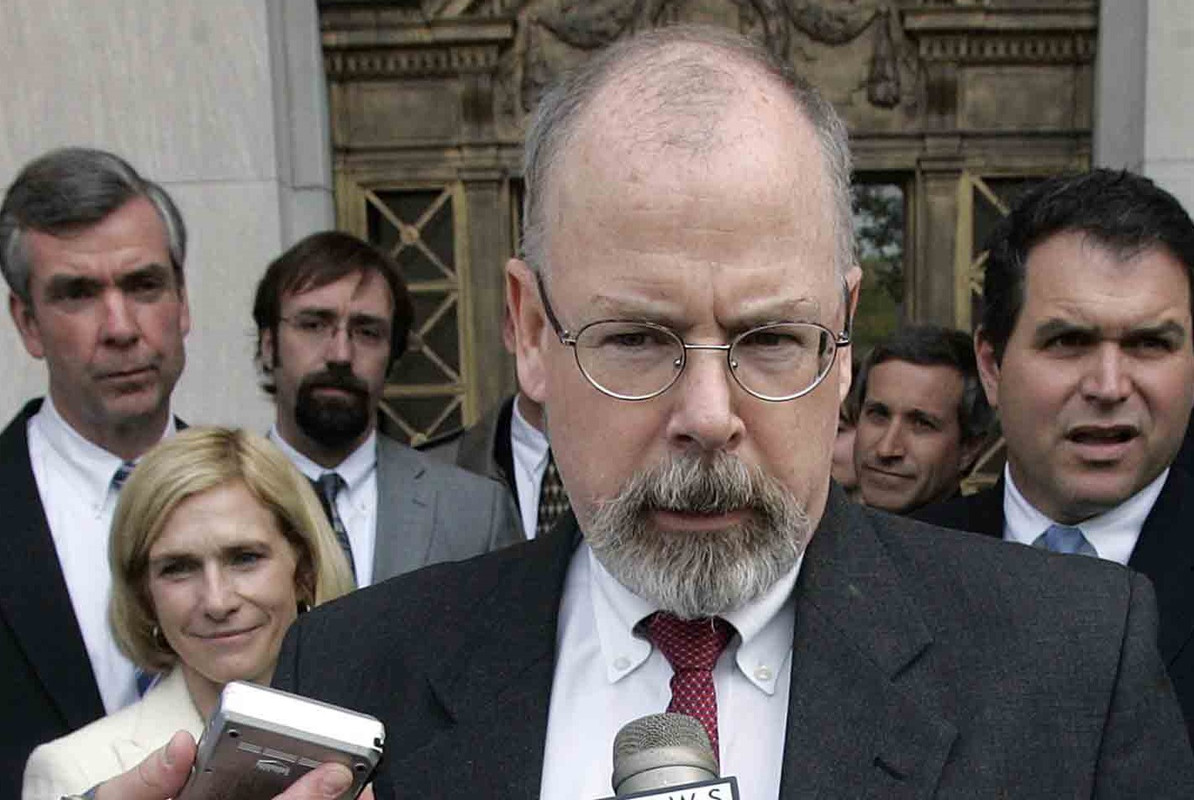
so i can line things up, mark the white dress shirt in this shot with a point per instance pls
(605, 677)
(356, 503)
(529, 449)
(74, 480)
(1113, 534)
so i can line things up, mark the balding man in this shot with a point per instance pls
(682, 310)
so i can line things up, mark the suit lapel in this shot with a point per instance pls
(495, 691)
(166, 708)
(34, 600)
(1165, 553)
(405, 511)
(863, 718)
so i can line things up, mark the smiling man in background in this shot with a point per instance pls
(923, 418)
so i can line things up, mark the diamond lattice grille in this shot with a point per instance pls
(418, 228)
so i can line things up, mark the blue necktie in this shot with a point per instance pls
(1065, 539)
(144, 679)
(122, 475)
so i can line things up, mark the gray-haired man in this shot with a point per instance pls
(682, 310)
(93, 256)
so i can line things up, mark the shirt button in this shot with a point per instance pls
(621, 663)
(762, 673)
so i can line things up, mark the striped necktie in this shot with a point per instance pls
(144, 680)
(121, 475)
(328, 487)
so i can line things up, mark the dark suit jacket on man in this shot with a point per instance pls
(47, 689)
(1164, 552)
(484, 447)
(428, 512)
(924, 665)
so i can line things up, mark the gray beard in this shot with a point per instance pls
(702, 573)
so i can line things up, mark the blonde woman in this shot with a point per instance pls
(217, 544)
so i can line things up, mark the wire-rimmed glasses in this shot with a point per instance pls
(636, 360)
(320, 327)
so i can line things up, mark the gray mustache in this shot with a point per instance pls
(712, 485)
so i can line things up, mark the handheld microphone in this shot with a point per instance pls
(667, 752)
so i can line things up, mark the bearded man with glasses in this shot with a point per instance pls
(333, 315)
(679, 312)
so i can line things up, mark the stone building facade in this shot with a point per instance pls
(952, 107)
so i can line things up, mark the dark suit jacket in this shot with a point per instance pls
(47, 689)
(924, 665)
(1164, 552)
(483, 448)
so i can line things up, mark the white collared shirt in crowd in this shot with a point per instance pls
(529, 450)
(1113, 533)
(74, 479)
(356, 504)
(605, 677)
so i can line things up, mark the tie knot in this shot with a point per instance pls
(330, 484)
(1065, 539)
(689, 644)
(121, 475)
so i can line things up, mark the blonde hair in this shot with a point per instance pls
(194, 461)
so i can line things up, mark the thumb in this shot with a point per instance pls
(159, 777)
(329, 781)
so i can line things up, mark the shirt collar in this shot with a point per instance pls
(1113, 533)
(764, 626)
(354, 469)
(530, 442)
(89, 466)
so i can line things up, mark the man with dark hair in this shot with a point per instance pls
(93, 255)
(682, 310)
(1085, 351)
(923, 418)
(333, 316)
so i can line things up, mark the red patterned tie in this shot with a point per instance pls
(692, 647)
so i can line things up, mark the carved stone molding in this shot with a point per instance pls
(1014, 36)
(452, 60)
(396, 47)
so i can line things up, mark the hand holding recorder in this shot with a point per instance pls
(164, 772)
(261, 744)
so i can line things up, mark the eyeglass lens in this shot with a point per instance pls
(637, 360)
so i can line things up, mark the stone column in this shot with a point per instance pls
(1143, 108)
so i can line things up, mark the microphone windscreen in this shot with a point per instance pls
(661, 750)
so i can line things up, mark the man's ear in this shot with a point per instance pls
(845, 357)
(988, 367)
(530, 324)
(184, 311)
(266, 351)
(27, 325)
